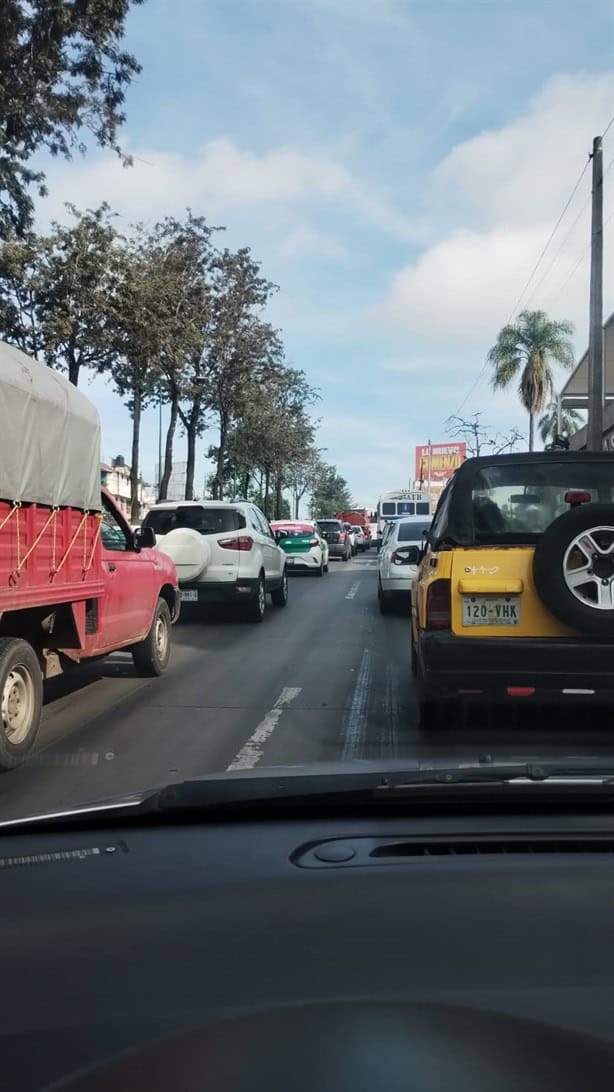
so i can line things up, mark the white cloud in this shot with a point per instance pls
(219, 179)
(512, 182)
(308, 242)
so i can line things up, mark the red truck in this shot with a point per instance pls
(76, 582)
(358, 517)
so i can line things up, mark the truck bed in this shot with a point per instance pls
(48, 556)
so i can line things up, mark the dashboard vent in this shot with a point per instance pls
(493, 846)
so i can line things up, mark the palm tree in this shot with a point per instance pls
(570, 422)
(527, 349)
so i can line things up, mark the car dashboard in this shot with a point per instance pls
(429, 952)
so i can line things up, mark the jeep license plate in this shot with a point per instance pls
(491, 610)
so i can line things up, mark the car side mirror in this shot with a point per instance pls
(144, 538)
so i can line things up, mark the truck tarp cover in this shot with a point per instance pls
(49, 436)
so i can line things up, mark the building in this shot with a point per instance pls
(574, 394)
(176, 485)
(115, 476)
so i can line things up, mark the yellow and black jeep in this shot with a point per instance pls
(514, 597)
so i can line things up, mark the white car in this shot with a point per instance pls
(305, 548)
(224, 552)
(359, 538)
(398, 560)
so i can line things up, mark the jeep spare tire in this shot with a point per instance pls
(573, 569)
(188, 549)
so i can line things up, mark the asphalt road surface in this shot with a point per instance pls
(325, 679)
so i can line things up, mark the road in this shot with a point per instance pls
(326, 678)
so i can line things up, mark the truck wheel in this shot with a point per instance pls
(151, 656)
(21, 700)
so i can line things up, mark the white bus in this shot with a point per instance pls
(400, 503)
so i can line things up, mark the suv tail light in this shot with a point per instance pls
(341, 536)
(242, 542)
(438, 605)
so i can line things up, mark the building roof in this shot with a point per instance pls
(575, 390)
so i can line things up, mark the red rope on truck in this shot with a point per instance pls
(86, 568)
(21, 562)
(15, 508)
(72, 541)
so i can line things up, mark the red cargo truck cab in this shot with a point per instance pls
(76, 581)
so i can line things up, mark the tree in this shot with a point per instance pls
(62, 72)
(76, 289)
(548, 424)
(54, 291)
(526, 350)
(330, 493)
(301, 477)
(22, 291)
(478, 436)
(183, 254)
(237, 354)
(138, 336)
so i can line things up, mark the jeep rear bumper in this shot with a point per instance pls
(487, 669)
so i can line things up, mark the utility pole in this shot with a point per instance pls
(595, 336)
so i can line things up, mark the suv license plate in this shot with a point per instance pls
(491, 610)
(190, 596)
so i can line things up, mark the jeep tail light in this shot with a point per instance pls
(577, 496)
(438, 605)
(341, 536)
(242, 542)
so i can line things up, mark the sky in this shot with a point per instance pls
(397, 168)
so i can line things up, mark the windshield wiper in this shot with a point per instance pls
(265, 792)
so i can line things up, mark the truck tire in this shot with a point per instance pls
(152, 655)
(21, 700)
(573, 569)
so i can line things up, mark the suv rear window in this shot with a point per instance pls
(513, 500)
(207, 521)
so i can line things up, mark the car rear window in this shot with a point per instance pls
(525, 499)
(412, 532)
(330, 524)
(207, 521)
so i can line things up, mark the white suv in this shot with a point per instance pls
(224, 551)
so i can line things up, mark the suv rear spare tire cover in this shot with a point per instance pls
(188, 549)
(573, 569)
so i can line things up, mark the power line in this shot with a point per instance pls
(530, 278)
(581, 259)
(548, 241)
(608, 126)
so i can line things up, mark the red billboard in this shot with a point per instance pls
(438, 462)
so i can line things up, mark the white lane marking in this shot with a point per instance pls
(357, 712)
(353, 590)
(251, 751)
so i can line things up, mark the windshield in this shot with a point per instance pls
(317, 261)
